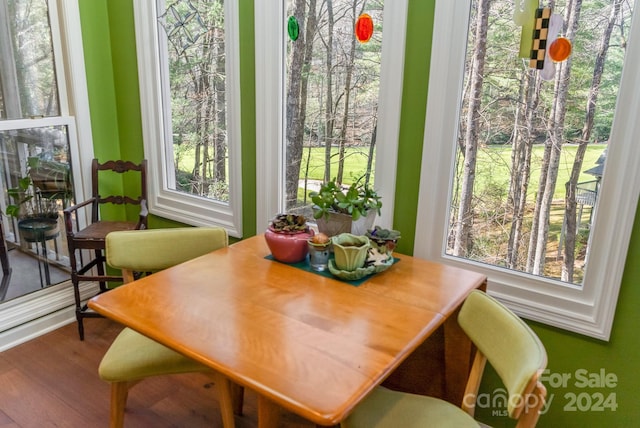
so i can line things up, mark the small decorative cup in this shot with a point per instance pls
(319, 256)
(350, 251)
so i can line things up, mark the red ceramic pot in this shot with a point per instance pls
(288, 247)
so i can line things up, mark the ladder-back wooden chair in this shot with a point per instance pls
(92, 237)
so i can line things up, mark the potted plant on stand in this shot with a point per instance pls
(352, 210)
(37, 215)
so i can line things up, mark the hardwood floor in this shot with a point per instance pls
(52, 381)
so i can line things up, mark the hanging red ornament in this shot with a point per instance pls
(364, 28)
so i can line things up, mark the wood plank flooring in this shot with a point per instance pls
(52, 381)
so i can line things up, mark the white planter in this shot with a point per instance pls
(338, 223)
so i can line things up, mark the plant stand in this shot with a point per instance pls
(39, 231)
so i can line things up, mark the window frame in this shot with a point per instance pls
(163, 201)
(270, 118)
(587, 310)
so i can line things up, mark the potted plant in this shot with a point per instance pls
(287, 237)
(352, 210)
(383, 240)
(37, 215)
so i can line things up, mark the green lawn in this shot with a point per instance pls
(494, 162)
(493, 167)
(355, 163)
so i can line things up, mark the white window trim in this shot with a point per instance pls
(165, 202)
(587, 310)
(32, 315)
(269, 46)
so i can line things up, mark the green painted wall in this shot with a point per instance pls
(112, 78)
(101, 85)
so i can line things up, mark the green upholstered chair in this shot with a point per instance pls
(510, 346)
(132, 356)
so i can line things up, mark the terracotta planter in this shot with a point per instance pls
(288, 247)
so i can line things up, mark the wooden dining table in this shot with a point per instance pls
(308, 343)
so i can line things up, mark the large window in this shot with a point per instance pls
(35, 150)
(328, 108)
(515, 157)
(44, 127)
(188, 65)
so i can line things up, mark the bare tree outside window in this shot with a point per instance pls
(194, 30)
(531, 153)
(332, 84)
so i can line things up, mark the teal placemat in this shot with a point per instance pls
(304, 265)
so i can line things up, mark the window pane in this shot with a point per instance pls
(532, 143)
(197, 136)
(27, 78)
(331, 96)
(35, 174)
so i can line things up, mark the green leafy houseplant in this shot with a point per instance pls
(26, 199)
(357, 200)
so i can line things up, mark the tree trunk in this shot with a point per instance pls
(570, 200)
(295, 126)
(347, 91)
(304, 85)
(556, 139)
(329, 118)
(464, 222)
(220, 135)
(521, 162)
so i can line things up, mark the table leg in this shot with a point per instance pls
(226, 399)
(458, 357)
(268, 413)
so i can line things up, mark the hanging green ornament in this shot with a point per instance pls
(293, 28)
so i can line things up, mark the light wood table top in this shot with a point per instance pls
(313, 345)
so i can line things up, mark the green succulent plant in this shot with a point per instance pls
(357, 200)
(289, 223)
(379, 233)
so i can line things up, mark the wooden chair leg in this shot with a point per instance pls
(237, 395)
(225, 398)
(119, 393)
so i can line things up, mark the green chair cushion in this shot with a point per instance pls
(384, 408)
(133, 356)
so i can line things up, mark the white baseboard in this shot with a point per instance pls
(35, 314)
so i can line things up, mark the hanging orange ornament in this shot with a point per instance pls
(559, 49)
(364, 28)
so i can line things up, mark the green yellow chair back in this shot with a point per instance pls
(509, 345)
(156, 249)
(501, 338)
